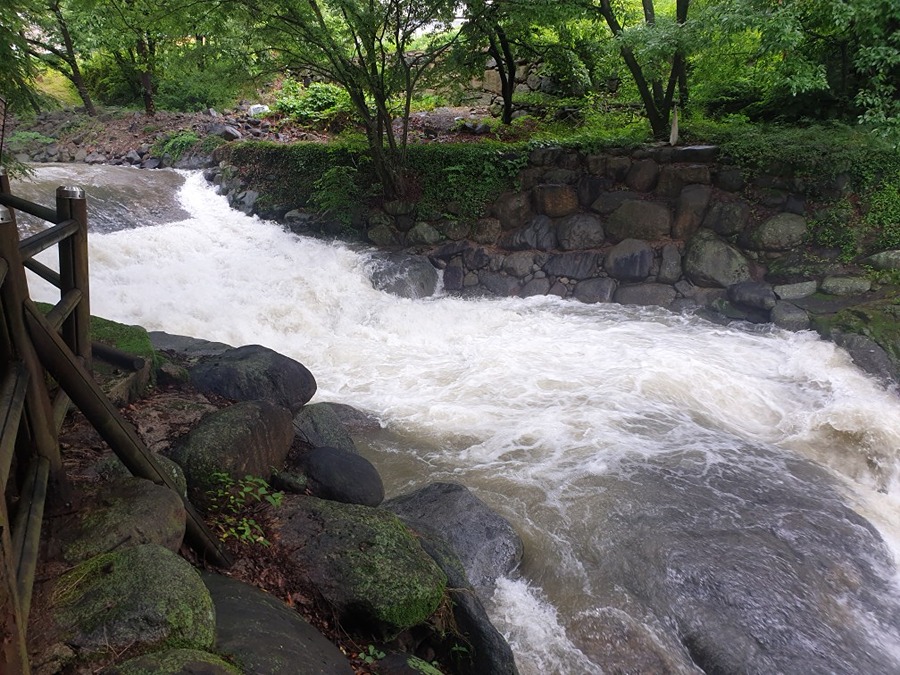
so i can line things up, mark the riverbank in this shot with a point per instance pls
(171, 417)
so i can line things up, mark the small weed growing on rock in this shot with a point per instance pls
(231, 503)
(371, 655)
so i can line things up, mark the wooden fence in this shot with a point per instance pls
(32, 345)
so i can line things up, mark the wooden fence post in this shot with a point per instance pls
(13, 651)
(38, 414)
(73, 271)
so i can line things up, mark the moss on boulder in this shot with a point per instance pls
(364, 561)
(141, 598)
(249, 438)
(175, 662)
(125, 512)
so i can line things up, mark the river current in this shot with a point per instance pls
(550, 411)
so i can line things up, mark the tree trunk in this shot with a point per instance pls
(501, 51)
(144, 58)
(75, 74)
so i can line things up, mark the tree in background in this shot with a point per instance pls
(799, 59)
(54, 26)
(655, 50)
(512, 32)
(365, 46)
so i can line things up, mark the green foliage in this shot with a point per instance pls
(21, 140)
(426, 102)
(884, 213)
(321, 104)
(465, 176)
(882, 277)
(338, 193)
(230, 507)
(111, 82)
(176, 145)
(837, 227)
(371, 655)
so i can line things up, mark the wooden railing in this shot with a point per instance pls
(33, 345)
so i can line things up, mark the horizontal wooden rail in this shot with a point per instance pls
(44, 272)
(64, 308)
(12, 400)
(19, 204)
(116, 357)
(28, 248)
(27, 530)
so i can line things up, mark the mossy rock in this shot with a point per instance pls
(125, 512)
(131, 339)
(364, 561)
(175, 662)
(878, 320)
(248, 438)
(140, 598)
(111, 467)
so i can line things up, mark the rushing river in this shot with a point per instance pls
(664, 472)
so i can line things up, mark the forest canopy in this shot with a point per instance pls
(623, 64)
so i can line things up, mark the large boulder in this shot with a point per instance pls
(538, 233)
(752, 295)
(124, 512)
(498, 283)
(139, 598)
(407, 276)
(319, 424)
(252, 373)
(841, 285)
(781, 232)
(555, 200)
(645, 295)
(483, 540)
(629, 260)
(175, 662)
(513, 209)
(751, 560)
(575, 265)
(249, 438)
(636, 219)
(608, 202)
(519, 264)
(711, 262)
(642, 175)
(486, 649)
(727, 218)
(365, 562)
(691, 209)
(343, 476)
(885, 260)
(598, 289)
(579, 231)
(669, 265)
(788, 316)
(190, 347)
(879, 321)
(265, 636)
